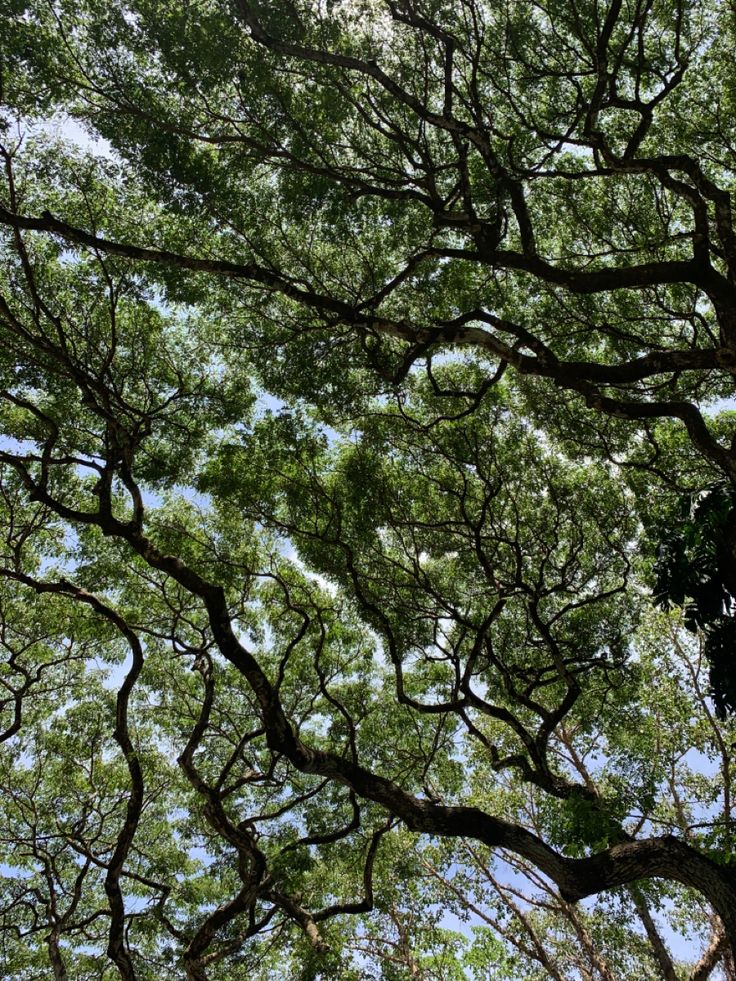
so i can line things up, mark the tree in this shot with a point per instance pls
(346, 402)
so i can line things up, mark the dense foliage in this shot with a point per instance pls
(367, 467)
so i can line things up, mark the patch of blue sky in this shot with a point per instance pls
(70, 130)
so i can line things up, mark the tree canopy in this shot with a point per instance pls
(367, 465)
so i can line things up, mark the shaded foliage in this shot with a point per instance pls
(695, 570)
